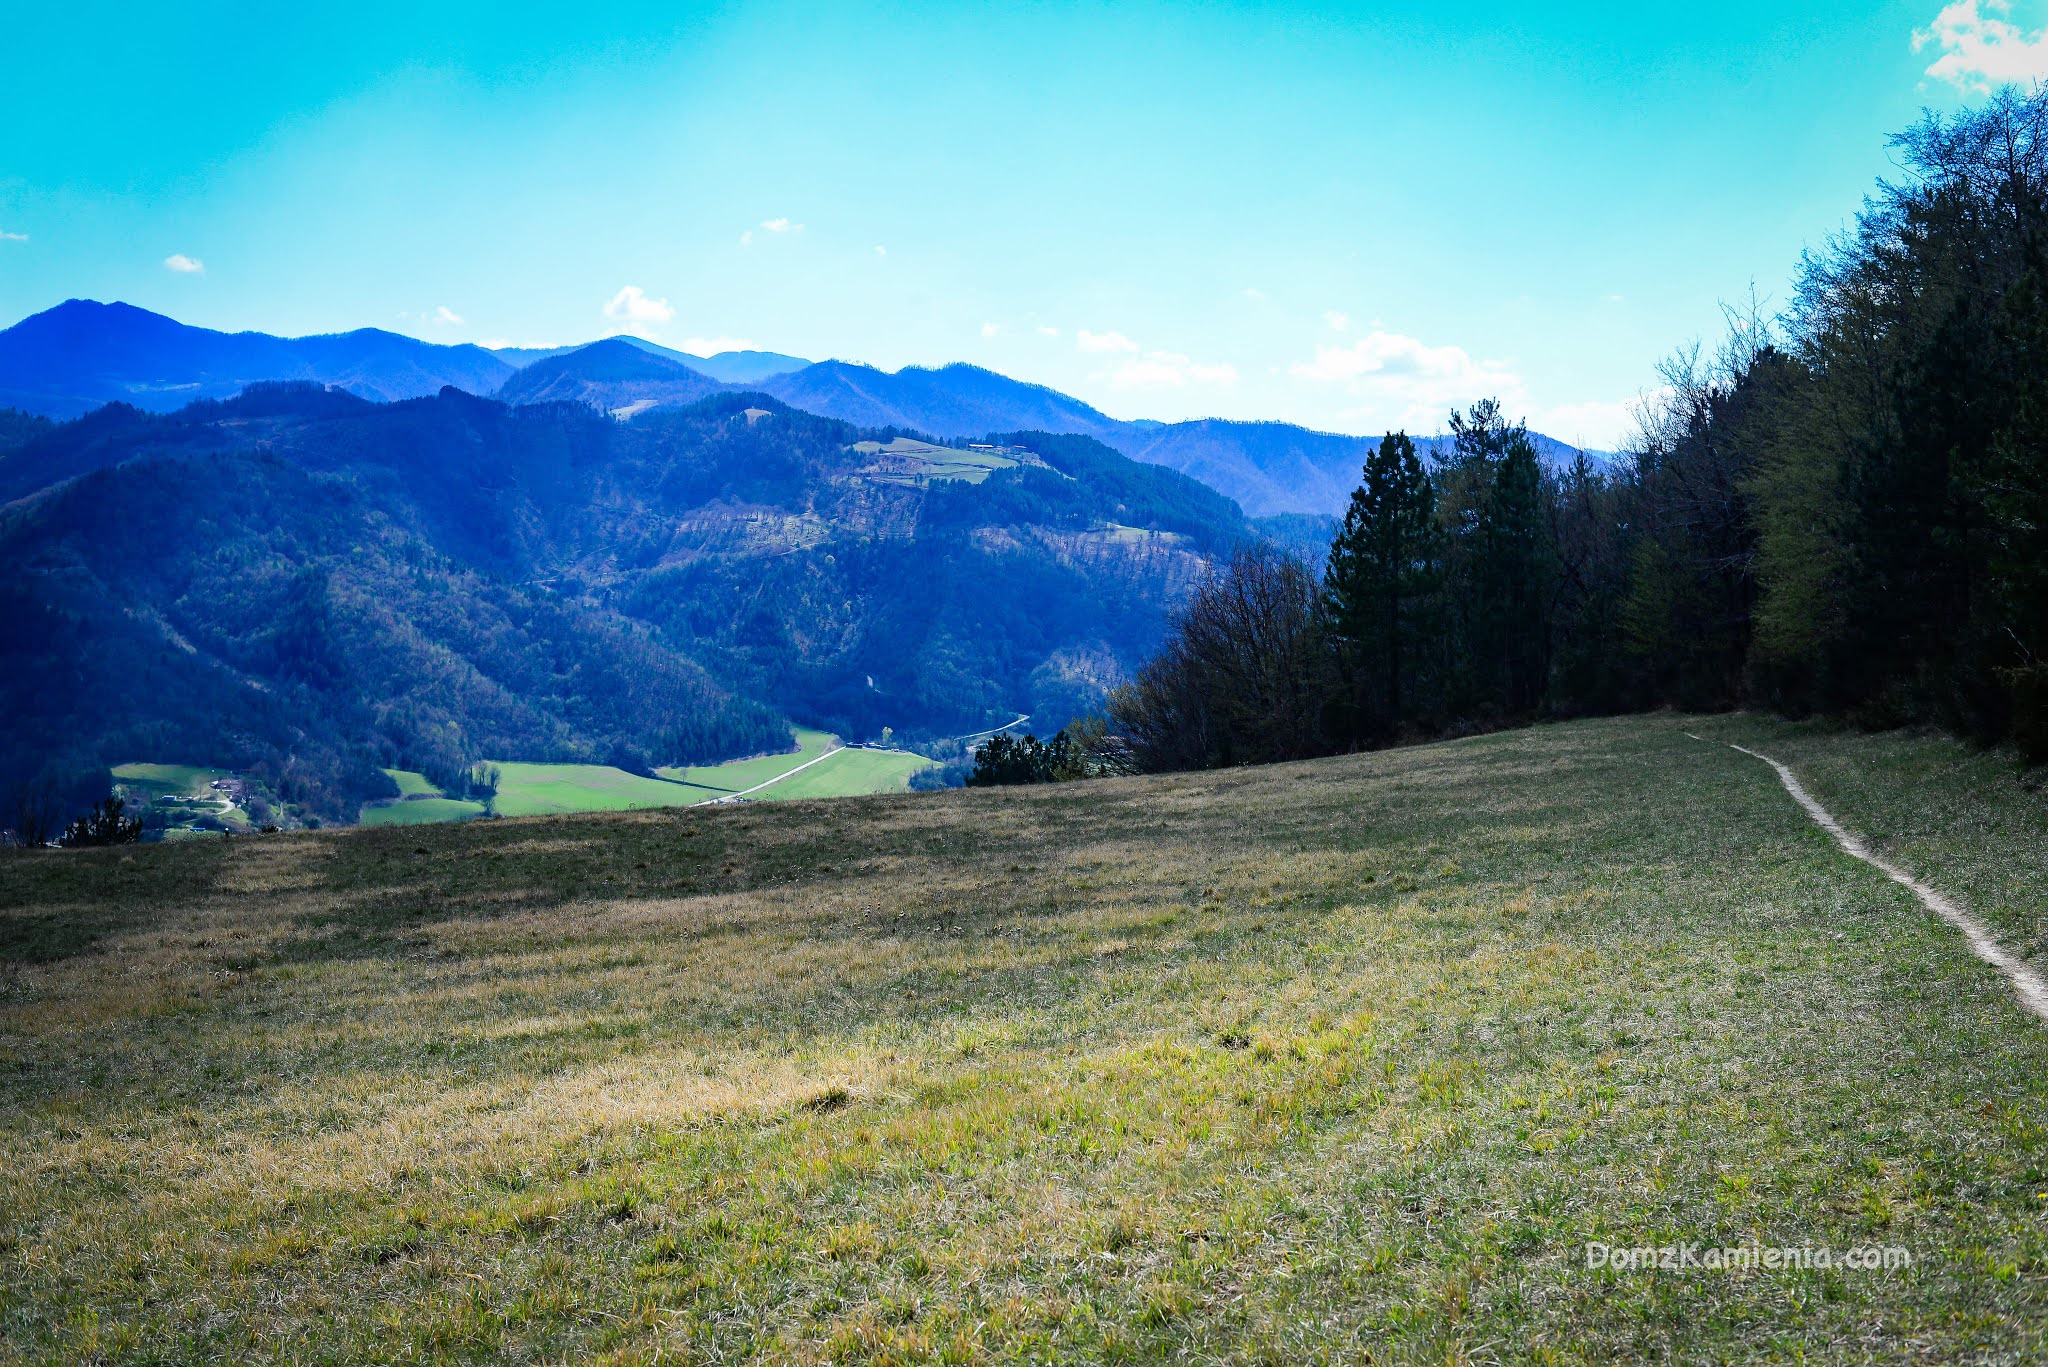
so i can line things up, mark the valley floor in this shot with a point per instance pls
(1290, 1064)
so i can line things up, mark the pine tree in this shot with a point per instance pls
(1382, 567)
(1520, 567)
(1500, 566)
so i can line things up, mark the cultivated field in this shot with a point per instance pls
(558, 789)
(1344, 1061)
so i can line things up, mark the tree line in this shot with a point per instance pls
(1841, 511)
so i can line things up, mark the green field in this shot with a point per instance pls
(558, 789)
(914, 463)
(168, 780)
(411, 784)
(420, 811)
(552, 789)
(182, 793)
(1345, 1061)
(740, 774)
(848, 773)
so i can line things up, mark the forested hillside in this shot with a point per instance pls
(306, 585)
(1842, 511)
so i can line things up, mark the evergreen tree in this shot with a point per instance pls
(1520, 570)
(1500, 566)
(1382, 570)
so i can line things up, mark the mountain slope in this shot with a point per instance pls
(613, 374)
(729, 367)
(1267, 467)
(81, 354)
(950, 401)
(235, 609)
(745, 367)
(300, 581)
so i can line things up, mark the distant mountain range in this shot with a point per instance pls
(730, 367)
(80, 355)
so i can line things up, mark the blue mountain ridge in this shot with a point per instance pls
(81, 354)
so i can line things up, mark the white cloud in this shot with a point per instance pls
(446, 316)
(13, 237)
(747, 237)
(781, 225)
(1251, 293)
(711, 346)
(990, 329)
(1168, 370)
(183, 264)
(1407, 383)
(1979, 50)
(1338, 321)
(880, 250)
(1045, 331)
(1600, 426)
(631, 311)
(1103, 341)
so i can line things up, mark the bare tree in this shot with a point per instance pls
(1245, 674)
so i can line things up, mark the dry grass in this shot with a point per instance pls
(1291, 1064)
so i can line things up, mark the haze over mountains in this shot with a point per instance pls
(75, 357)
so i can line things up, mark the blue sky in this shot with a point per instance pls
(1345, 216)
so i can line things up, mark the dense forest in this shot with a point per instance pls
(304, 586)
(1842, 511)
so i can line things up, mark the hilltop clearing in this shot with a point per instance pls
(1345, 1060)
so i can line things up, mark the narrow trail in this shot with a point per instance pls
(2029, 985)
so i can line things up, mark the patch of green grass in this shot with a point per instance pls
(553, 789)
(1339, 1061)
(411, 784)
(848, 773)
(168, 780)
(1973, 822)
(558, 789)
(740, 774)
(420, 811)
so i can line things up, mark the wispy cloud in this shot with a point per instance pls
(880, 250)
(1251, 292)
(1981, 47)
(990, 329)
(1169, 370)
(711, 346)
(13, 237)
(631, 311)
(1047, 331)
(1407, 383)
(1338, 322)
(781, 225)
(183, 264)
(747, 237)
(1103, 341)
(446, 316)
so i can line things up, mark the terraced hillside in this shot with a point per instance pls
(1339, 1061)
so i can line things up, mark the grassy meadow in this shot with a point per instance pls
(1343, 1061)
(559, 789)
